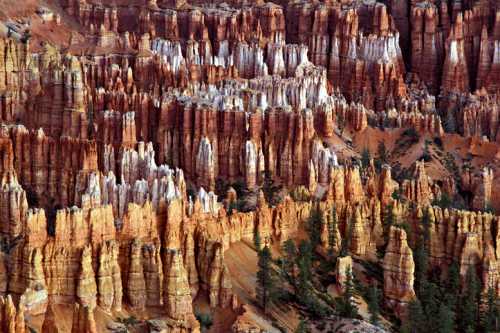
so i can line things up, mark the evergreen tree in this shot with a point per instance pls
(491, 316)
(256, 240)
(388, 220)
(421, 254)
(349, 307)
(265, 278)
(416, 321)
(453, 281)
(469, 304)
(305, 258)
(90, 128)
(450, 125)
(304, 263)
(420, 257)
(445, 319)
(452, 285)
(426, 226)
(346, 241)
(302, 327)
(429, 297)
(383, 154)
(365, 158)
(341, 123)
(430, 303)
(316, 220)
(426, 154)
(290, 251)
(373, 298)
(332, 227)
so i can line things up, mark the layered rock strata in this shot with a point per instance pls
(398, 271)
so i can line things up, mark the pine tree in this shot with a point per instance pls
(426, 154)
(265, 278)
(491, 316)
(305, 257)
(91, 128)
(430, 303)
(445, 320)
(290, 251)
(304, 264)
(321, 223)
(316, 220)
(450, 125)
(469, 304)
(340, 123)
(373, 298)
(349, 307)
(346, 241)
(426, 225)
(421, 255)
(421, 264)
(452, 285)
(256, 240)
(332, 232)
(453, 281)
(388, 220)
(383, 154)
(302, 327)
(416, 321)
(365, 157)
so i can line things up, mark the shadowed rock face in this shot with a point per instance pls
(117, 144)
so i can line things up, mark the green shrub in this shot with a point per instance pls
(411, 135)
(205, 319)
(129, 321)
(237, 205)
(426, 154)
(489, 209)
(300, 193)
(438, 142)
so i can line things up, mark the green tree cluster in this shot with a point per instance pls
(315, 222)
(382, 156)
(372, 300)
(296, 269)
(332, 233)
(266, 283)
(441, 304)
(365, 158)
(347, 305)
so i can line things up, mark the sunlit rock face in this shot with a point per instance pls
(398, 271)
